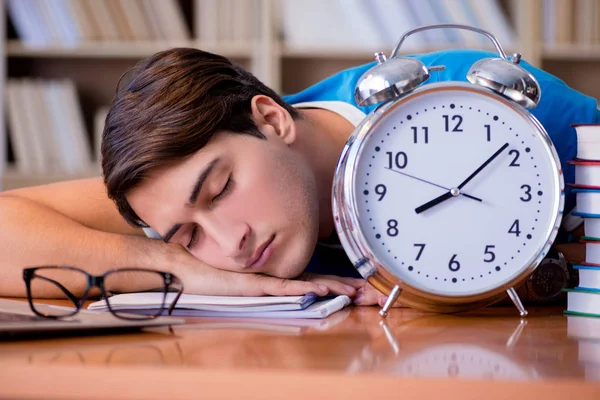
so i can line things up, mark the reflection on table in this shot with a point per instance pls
(490, 344)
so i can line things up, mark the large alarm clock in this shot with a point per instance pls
(448, 195)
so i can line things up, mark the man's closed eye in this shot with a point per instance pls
(225, 189)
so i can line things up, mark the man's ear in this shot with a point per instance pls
(271, 118)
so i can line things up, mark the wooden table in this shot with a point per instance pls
(489, 354)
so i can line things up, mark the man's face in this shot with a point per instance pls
(240, 203)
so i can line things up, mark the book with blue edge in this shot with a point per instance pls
(306, 306)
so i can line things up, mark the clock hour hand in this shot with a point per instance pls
(431, 183)
(456, 190)
(435, 201)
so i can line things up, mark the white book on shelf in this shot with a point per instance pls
(455, 38)
(584, 21)
(45, 133)
(87, 25)
(206, 24)
(134, 14)
(18, 129)
(564, 24)
(366, 35)
(34, 126)
(77, 131)
(493, 19)
(589, 276)
(458, 14)
(321, 34)
(252, 12)
(152, 13)
(596, 24)
(117, 14)
(173, 18)
(61, 129)
(20, 21)
(224, 13)
(239, 18)
(52, 25)
(395, 19)
(70, 33)
(27, 23)
(101, 13)
(423, 14)
(549, 21)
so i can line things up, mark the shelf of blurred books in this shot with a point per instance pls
(129, 50)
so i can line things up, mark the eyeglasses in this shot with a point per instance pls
(52, 281)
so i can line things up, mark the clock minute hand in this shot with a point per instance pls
(456, 191)
(482, 166)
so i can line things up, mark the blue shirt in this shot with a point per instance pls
(560, 105)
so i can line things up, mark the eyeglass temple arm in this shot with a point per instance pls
(176, 299)
(70, 295)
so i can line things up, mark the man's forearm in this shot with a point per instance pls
(33, 235)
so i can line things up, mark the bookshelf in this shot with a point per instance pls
(95, 66)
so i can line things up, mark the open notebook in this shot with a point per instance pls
(307, 306)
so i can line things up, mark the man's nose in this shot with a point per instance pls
(231, 237)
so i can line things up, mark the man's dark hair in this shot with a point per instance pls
(172, 106)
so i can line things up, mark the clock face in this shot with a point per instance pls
(456, 192)
(461, 361)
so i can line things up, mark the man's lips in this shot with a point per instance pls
(258, 254)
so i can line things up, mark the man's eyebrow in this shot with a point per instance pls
(200, 181)
(193, 195)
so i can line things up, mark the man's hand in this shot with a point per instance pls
(369, 296)
(336, 284)
(199, 278)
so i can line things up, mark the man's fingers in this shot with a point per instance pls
(366, 297)
(335, 286)
(288, 287)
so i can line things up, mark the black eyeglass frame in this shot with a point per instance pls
(169, 280)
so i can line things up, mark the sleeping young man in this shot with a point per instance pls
(233, 180)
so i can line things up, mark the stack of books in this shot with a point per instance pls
(584, 300)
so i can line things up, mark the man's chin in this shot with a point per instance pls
(289, 272)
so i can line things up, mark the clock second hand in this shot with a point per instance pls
(433, 184)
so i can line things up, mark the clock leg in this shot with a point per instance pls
(390, 301)
(512, 293)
